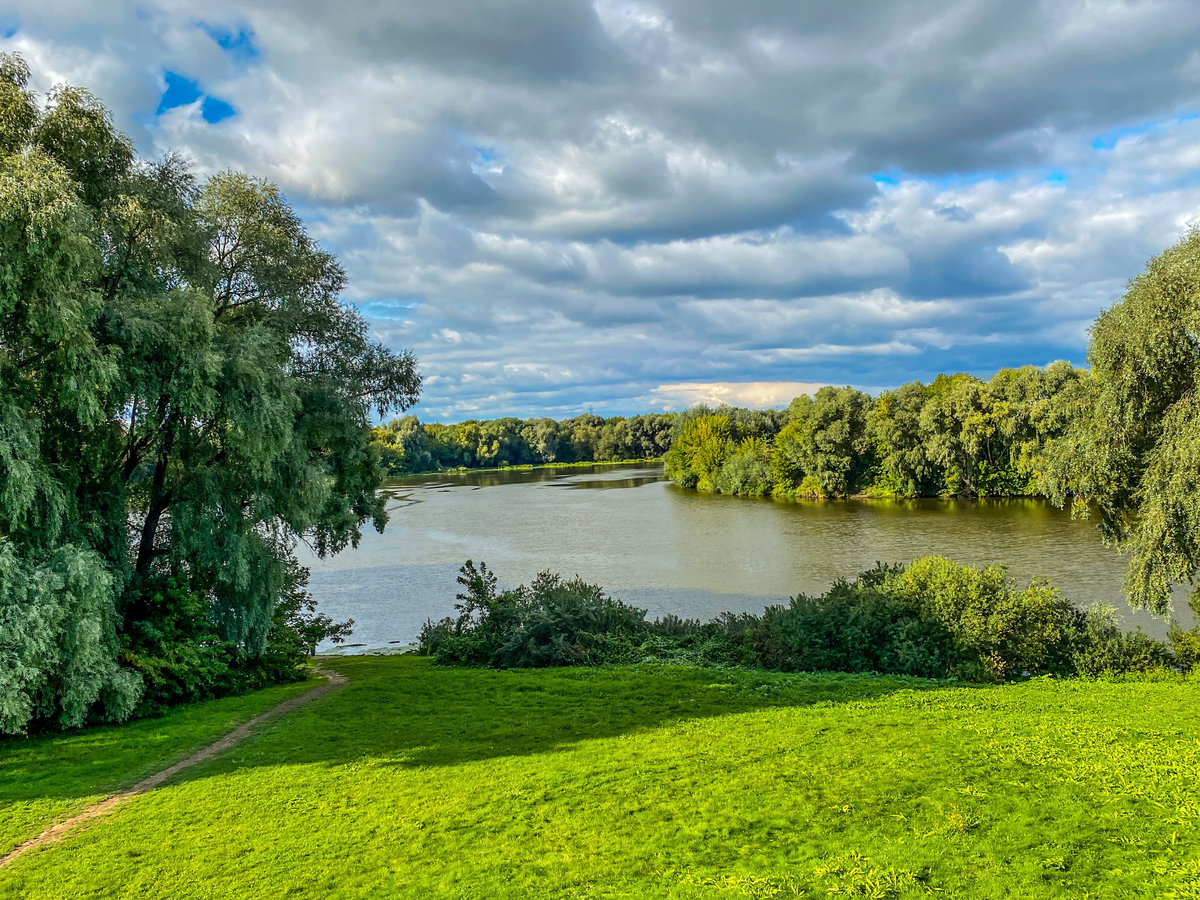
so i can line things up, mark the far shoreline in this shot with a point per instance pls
(466, 470)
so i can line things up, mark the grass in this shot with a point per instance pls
(667, 782)
(47, 779)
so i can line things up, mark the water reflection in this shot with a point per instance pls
(677, 551)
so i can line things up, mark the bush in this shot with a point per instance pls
(858, 626)
(747, 471)
(1103, 649)
(931, 619)
(558, 622)
(170, 642)
(552, 622)
(1004, 632)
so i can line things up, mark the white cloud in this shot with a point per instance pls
(563, 204)
(753, 394)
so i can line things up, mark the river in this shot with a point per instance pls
(673, 551)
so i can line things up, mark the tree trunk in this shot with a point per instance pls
(159, 501)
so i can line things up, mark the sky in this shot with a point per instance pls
(635, 206)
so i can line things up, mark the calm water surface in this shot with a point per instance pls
(674, 551)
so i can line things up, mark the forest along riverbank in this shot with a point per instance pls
(673, 551)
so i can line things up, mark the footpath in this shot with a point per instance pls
(60, 830)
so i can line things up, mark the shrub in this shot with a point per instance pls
(552, 622)
(1004, 631)
(169, 640)
(932, 619)
(565, 623)
(856, 627)
(1104, 649)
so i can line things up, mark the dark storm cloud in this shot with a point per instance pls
(559, 204)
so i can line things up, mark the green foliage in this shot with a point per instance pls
(747, 470)
(1105, 649)
(57, 640)
(931, 619)
(419, 781)
(958, 436)
(1135, 455)
(405, 445)
(894, 430)
(858, 626)
(170, 640)
(825, 441)
(1003, 631)
(182, 396)
(552, 622)
(699, 452)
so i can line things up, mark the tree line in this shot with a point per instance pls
(406, 445)
(1120, 440)
(957, 436)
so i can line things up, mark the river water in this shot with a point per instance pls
(673, 551)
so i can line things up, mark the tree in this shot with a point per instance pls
(403, 446)
(823, 449)
(894, 428)
(182, 395)
(543, 439)
(1135, 454)
(700, 450)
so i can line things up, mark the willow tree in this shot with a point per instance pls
(1135, 454)
(181, 395)
(824, 449)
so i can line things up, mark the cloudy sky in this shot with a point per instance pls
(628, 206)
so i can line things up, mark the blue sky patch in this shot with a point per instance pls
(393, 309)
(184, 91)
(1110, 138)
(181, 91)
(237, 43)
(213, 110)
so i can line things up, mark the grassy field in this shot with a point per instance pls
(666, 782)
(44, 780)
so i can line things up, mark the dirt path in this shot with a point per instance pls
(58, 831)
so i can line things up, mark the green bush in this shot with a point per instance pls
(858, 626)
(1104, 649)
(552, 622)
(1003, 632)
(559, 622)
(747, 470)
(932, 619)
(169, 641)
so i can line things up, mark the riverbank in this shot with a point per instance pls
(463, 470)
(670, 782)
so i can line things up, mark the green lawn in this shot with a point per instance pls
(46, 780)
(667, 782)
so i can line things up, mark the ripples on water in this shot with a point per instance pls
(674, 551)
